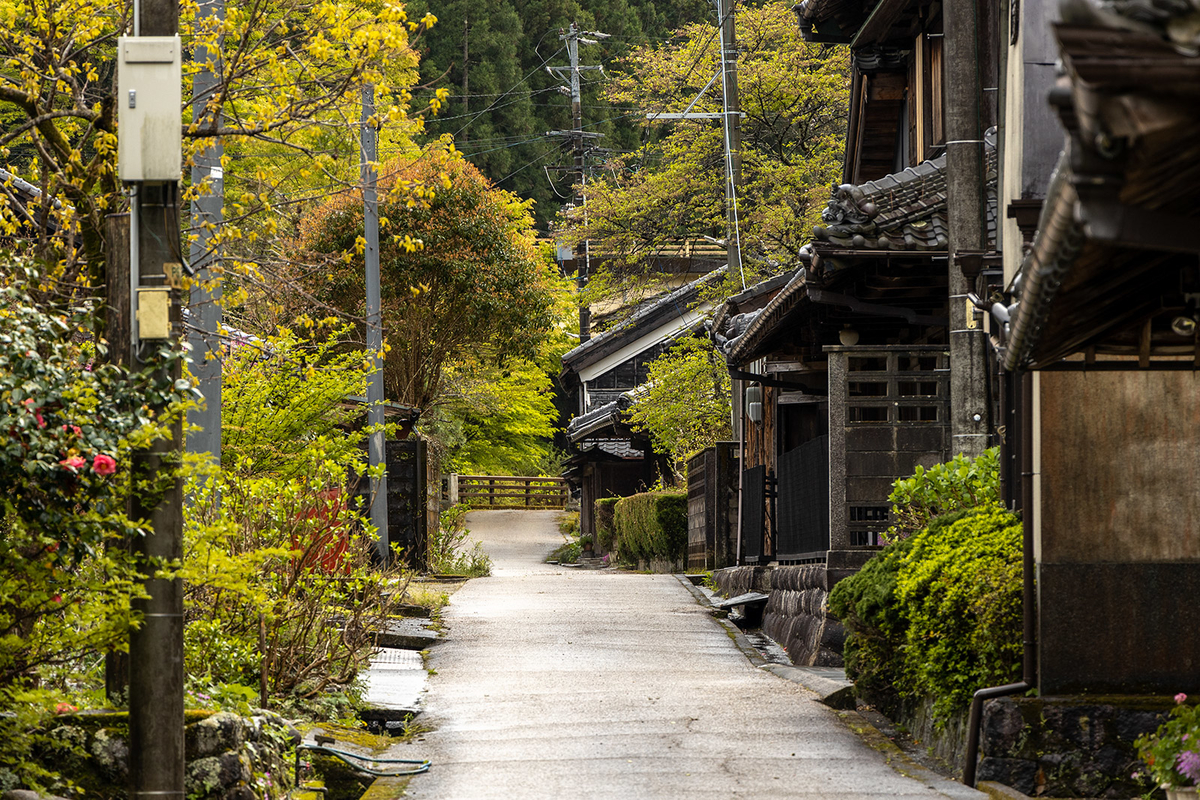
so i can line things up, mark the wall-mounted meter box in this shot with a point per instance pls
(149, 102)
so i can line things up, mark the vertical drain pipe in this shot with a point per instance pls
(1028, 612)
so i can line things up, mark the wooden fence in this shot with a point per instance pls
(508, 491)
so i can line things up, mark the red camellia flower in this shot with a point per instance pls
(104, 465)
(74, 463)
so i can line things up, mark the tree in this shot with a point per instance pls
(684, 403)
(461, 272)
(497, 420)
(290, 73)
(511, 102)
(68, 425)
(794, 100)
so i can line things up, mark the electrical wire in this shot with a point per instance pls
(528, 75)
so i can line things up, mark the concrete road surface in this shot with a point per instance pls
(558, 683)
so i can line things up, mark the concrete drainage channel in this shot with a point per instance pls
(395, 682)
(830, 686)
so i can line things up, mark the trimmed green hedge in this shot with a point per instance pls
(652, 525)
(606, 531)
(938, 614)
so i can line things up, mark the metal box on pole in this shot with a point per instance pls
(149, 99)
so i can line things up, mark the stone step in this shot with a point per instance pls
(409, 634)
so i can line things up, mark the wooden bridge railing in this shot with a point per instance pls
(508, 491)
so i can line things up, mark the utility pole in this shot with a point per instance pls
(207, 214)
(466, 70)
(148, 99)
(376, 453)
(574, 37)
(731, 121)
(966, 215)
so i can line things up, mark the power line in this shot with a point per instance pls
(528, 75)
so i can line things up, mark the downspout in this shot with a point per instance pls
(741, 467)
(1029, 613)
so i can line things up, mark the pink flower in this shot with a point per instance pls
(104, 465)
(1180, 698)
(40, 419)
(76, 430)
(74, 463)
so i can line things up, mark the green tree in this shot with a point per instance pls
(512, 102)
(290, 71)
(794, 99)
(70, 425)
(684, 404)
(497, 420)
(461, 271)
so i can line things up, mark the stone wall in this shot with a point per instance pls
(1068, 746)
(796, 615)
(228, 757)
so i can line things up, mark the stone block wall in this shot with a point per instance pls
(228, 757)
(796, 615)
(1068, 746)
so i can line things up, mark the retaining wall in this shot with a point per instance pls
(796, 615)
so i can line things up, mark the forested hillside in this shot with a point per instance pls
(499, 121)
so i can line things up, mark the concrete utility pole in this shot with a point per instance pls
(966, 215)
(376, 453)
(574, 37)
(207, 215)
(148, 100)
(732, 121)
(466, 72)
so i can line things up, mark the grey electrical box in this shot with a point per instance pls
(149, 103)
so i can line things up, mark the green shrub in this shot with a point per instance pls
(867, 606)
(652, 525)
(959, 484)
(960, 586)
(936, 615)
(606, 532)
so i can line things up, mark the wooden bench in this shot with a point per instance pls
(751, 605)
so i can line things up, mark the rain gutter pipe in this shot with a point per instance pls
(1029, 614)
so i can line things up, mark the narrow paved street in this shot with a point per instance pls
(559, 683)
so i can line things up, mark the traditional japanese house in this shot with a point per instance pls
(1104, 338)
(607, 458)
(846, 373)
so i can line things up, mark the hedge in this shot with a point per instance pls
(652, 525)
(606, 533)
(938, 614)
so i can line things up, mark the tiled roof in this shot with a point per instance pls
(644, 311)
(618, 448)
(903, 211)
(879, 57)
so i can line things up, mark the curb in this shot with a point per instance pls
(898, 760)
(833, 693)
(731, 630)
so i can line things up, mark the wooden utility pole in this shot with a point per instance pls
(149, 83)
(966, 215)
